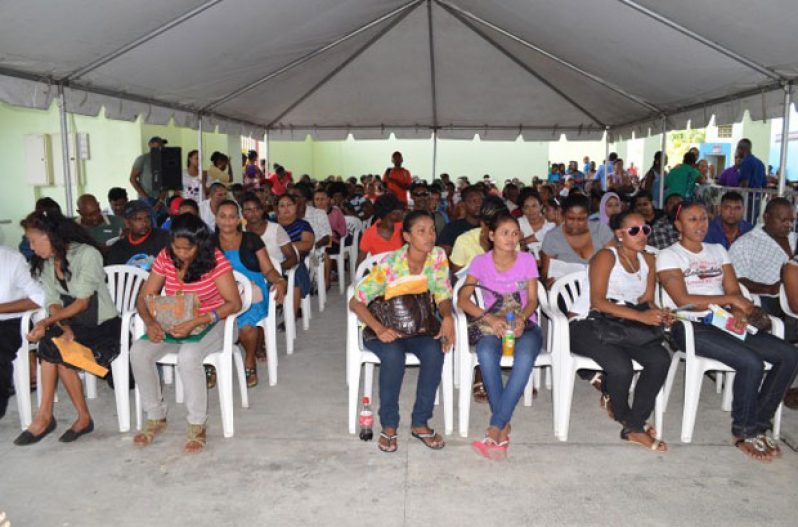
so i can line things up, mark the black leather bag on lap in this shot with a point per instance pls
(410, 315)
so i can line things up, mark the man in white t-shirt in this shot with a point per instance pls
(217, 193)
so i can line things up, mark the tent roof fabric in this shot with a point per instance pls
(497, 68)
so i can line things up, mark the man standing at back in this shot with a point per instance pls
(604, 172)
(398, 179)
(752, 170)
(141, 174)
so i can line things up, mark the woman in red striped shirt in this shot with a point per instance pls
(191, 263)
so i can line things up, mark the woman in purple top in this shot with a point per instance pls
(505, 270)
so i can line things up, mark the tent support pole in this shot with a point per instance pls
(604, 185)
(785, 139)
(65, 149)
(199, 152)
(662, 159)
(434, 155)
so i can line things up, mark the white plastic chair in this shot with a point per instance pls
(570, 289)
(317, 274)
(695, 368)
(358, 357)
(467, 360)
(353, 228)
(305, 303)
(22, 366)
(222, 360)
(269, 325)
(785, 303)
(124, 282)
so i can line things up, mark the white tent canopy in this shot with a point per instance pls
(499, 68)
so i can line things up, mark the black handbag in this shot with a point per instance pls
(613, 330)
(411, 315)
(505, 303)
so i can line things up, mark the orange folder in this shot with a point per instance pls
(77, 354)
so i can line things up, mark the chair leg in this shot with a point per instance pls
(567, 395)
(692, 389)
(139, 416)
(321, 286)
(179, 386)
(719, 379)
(548, 377)
(447, 386)
(22, 387)
(91, 385)
(670, 378)
(530, 386)
(777, 422)
(341, 274)
(271, 352)
(238, 362)
(728, 395)
(120, 369)
(659, 412)
(225, 385)
(464, 404)
(306, 313)
(168, 373)
(354, 387)
(368, 380)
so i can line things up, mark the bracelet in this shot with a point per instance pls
(214, 316)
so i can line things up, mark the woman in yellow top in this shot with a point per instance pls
(419, 257)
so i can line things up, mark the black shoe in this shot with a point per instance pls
(26, 438)
(71, 435)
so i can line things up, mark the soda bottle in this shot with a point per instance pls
(508, 339)
(366, 420)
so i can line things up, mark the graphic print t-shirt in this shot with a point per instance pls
(703, 271)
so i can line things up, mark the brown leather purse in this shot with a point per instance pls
(411, 315)
(171, 310)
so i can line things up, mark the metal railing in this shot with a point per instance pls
(754, 200)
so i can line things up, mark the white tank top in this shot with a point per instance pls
(624, 286)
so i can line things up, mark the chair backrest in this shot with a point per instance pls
(124, 283)
(245, 290)
(785, 303)
(353, 224)
(365, 266)
(570, 292)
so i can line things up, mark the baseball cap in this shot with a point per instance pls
(135, 206)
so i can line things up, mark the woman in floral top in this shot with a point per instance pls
(419, 257)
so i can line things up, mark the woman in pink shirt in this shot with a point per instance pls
(190, 264)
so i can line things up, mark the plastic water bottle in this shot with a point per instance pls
(508, 339)
(366, 420)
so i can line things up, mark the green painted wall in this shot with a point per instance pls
(113, 146)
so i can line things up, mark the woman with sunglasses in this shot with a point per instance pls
(622, 281)
(699, 274)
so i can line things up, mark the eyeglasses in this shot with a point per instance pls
(420, 194)
(637, 229)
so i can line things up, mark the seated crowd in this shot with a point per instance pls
(602, 220)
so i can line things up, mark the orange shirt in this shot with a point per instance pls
(398, 180)
(372, 243)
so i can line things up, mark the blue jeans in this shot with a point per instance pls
(392, 371)
(753, 406)
(503, 398)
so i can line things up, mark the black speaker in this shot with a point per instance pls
(167, 168)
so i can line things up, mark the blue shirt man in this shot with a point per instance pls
(605, 169)
(752, 171)
(729, 224)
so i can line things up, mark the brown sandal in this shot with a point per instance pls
(195, 439)
(478, 390)
(152, 427)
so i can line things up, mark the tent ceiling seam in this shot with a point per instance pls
(324, 80)
(522, 65)
(305, 58)
(595, 78)
(80, 72)
(662, 19)
(433, 85)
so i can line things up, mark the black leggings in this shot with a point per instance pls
(616, 361)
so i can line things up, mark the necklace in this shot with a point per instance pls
(631, 266)
(140, 240)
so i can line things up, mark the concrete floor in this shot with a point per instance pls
(292, 462)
